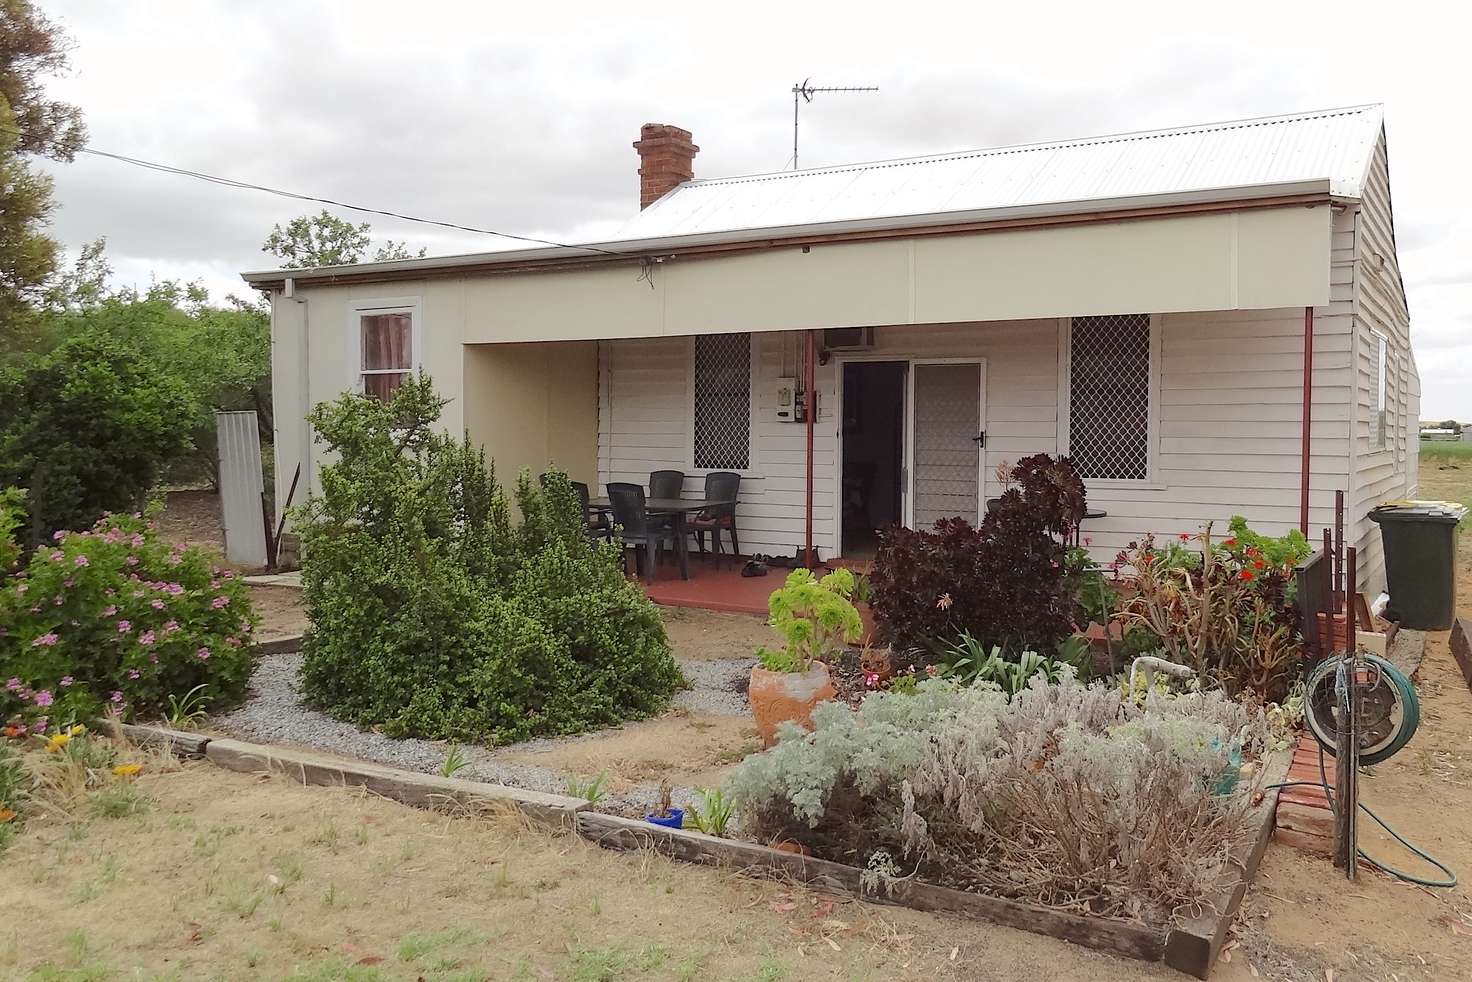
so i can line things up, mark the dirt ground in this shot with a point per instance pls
(227, 876)
(192, 518)
(702, 634)
(691, 750)
(281, 611)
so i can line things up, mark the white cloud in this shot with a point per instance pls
(520, 117)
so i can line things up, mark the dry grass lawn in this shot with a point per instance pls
(227, 876)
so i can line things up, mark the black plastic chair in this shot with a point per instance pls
(722, 486)
(666, 484)
(635, 528)
(599, 527)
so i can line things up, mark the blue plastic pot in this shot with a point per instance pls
(674, 820)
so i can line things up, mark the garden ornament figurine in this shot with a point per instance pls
(1148, 665)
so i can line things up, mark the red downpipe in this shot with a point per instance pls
(1308, 415)
(810, 410)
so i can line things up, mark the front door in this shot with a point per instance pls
(947, 423)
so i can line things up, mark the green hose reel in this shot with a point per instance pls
(1389, 709)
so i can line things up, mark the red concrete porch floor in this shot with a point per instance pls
(713, 586)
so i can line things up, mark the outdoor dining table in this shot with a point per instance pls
(679, 509)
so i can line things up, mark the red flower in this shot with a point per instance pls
(1185, 537)
(1247, 575)
(1230, 540)
(1253, 551)
(1259, 564)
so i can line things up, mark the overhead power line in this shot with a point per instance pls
(248, 186)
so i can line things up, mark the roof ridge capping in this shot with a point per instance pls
(1102, 138)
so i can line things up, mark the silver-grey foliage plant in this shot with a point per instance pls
(1069, 796)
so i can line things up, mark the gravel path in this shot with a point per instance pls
(274, 713)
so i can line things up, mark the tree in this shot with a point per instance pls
(84, 285)
(326, 240)
(31, 48)
(219, 355)
(92, 435)
(89, 428)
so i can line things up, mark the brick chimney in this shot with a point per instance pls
(665, 160)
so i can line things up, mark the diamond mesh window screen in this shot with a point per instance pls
(1109, 396)
(723, 401)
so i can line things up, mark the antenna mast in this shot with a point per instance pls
(804, 92)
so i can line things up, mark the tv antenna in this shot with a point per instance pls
(804, 92)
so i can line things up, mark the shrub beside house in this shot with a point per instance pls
(436, 613)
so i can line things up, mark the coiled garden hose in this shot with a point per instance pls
(1450, 875)
(1405, 692)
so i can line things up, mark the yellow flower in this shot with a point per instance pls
(77, 730)
(57, 741)
(127, 770)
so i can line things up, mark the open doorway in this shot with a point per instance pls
(873, 453)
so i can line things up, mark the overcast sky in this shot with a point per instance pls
(518, 117)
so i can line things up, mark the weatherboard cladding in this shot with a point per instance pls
(1230, 415)
(1380, 305)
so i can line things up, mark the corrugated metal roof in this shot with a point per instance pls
(1333, 145)
(1273, 156)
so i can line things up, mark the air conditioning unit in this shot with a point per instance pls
(848, 338)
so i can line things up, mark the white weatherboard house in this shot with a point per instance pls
(1208, 320)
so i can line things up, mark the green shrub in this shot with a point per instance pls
(88, 427)
(437, 615)
(116, 617)
(814, 616)
(1225, 611)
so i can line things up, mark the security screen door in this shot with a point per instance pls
(947, 415)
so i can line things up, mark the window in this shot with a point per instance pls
(1110, 366)
(721, 412)
(386, 345)
(1380, 432)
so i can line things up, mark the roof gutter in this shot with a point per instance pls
(541, 259)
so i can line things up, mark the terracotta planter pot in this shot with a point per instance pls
(780, 696)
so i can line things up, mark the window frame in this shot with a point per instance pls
(357, 309)
(751, 469)
(1380, 402)
(1151, 480)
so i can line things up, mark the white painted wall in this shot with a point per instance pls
(1260, 258)
(312, 361)
(1380, 305)
(1230, 421)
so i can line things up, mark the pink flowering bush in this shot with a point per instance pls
(116, 618)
